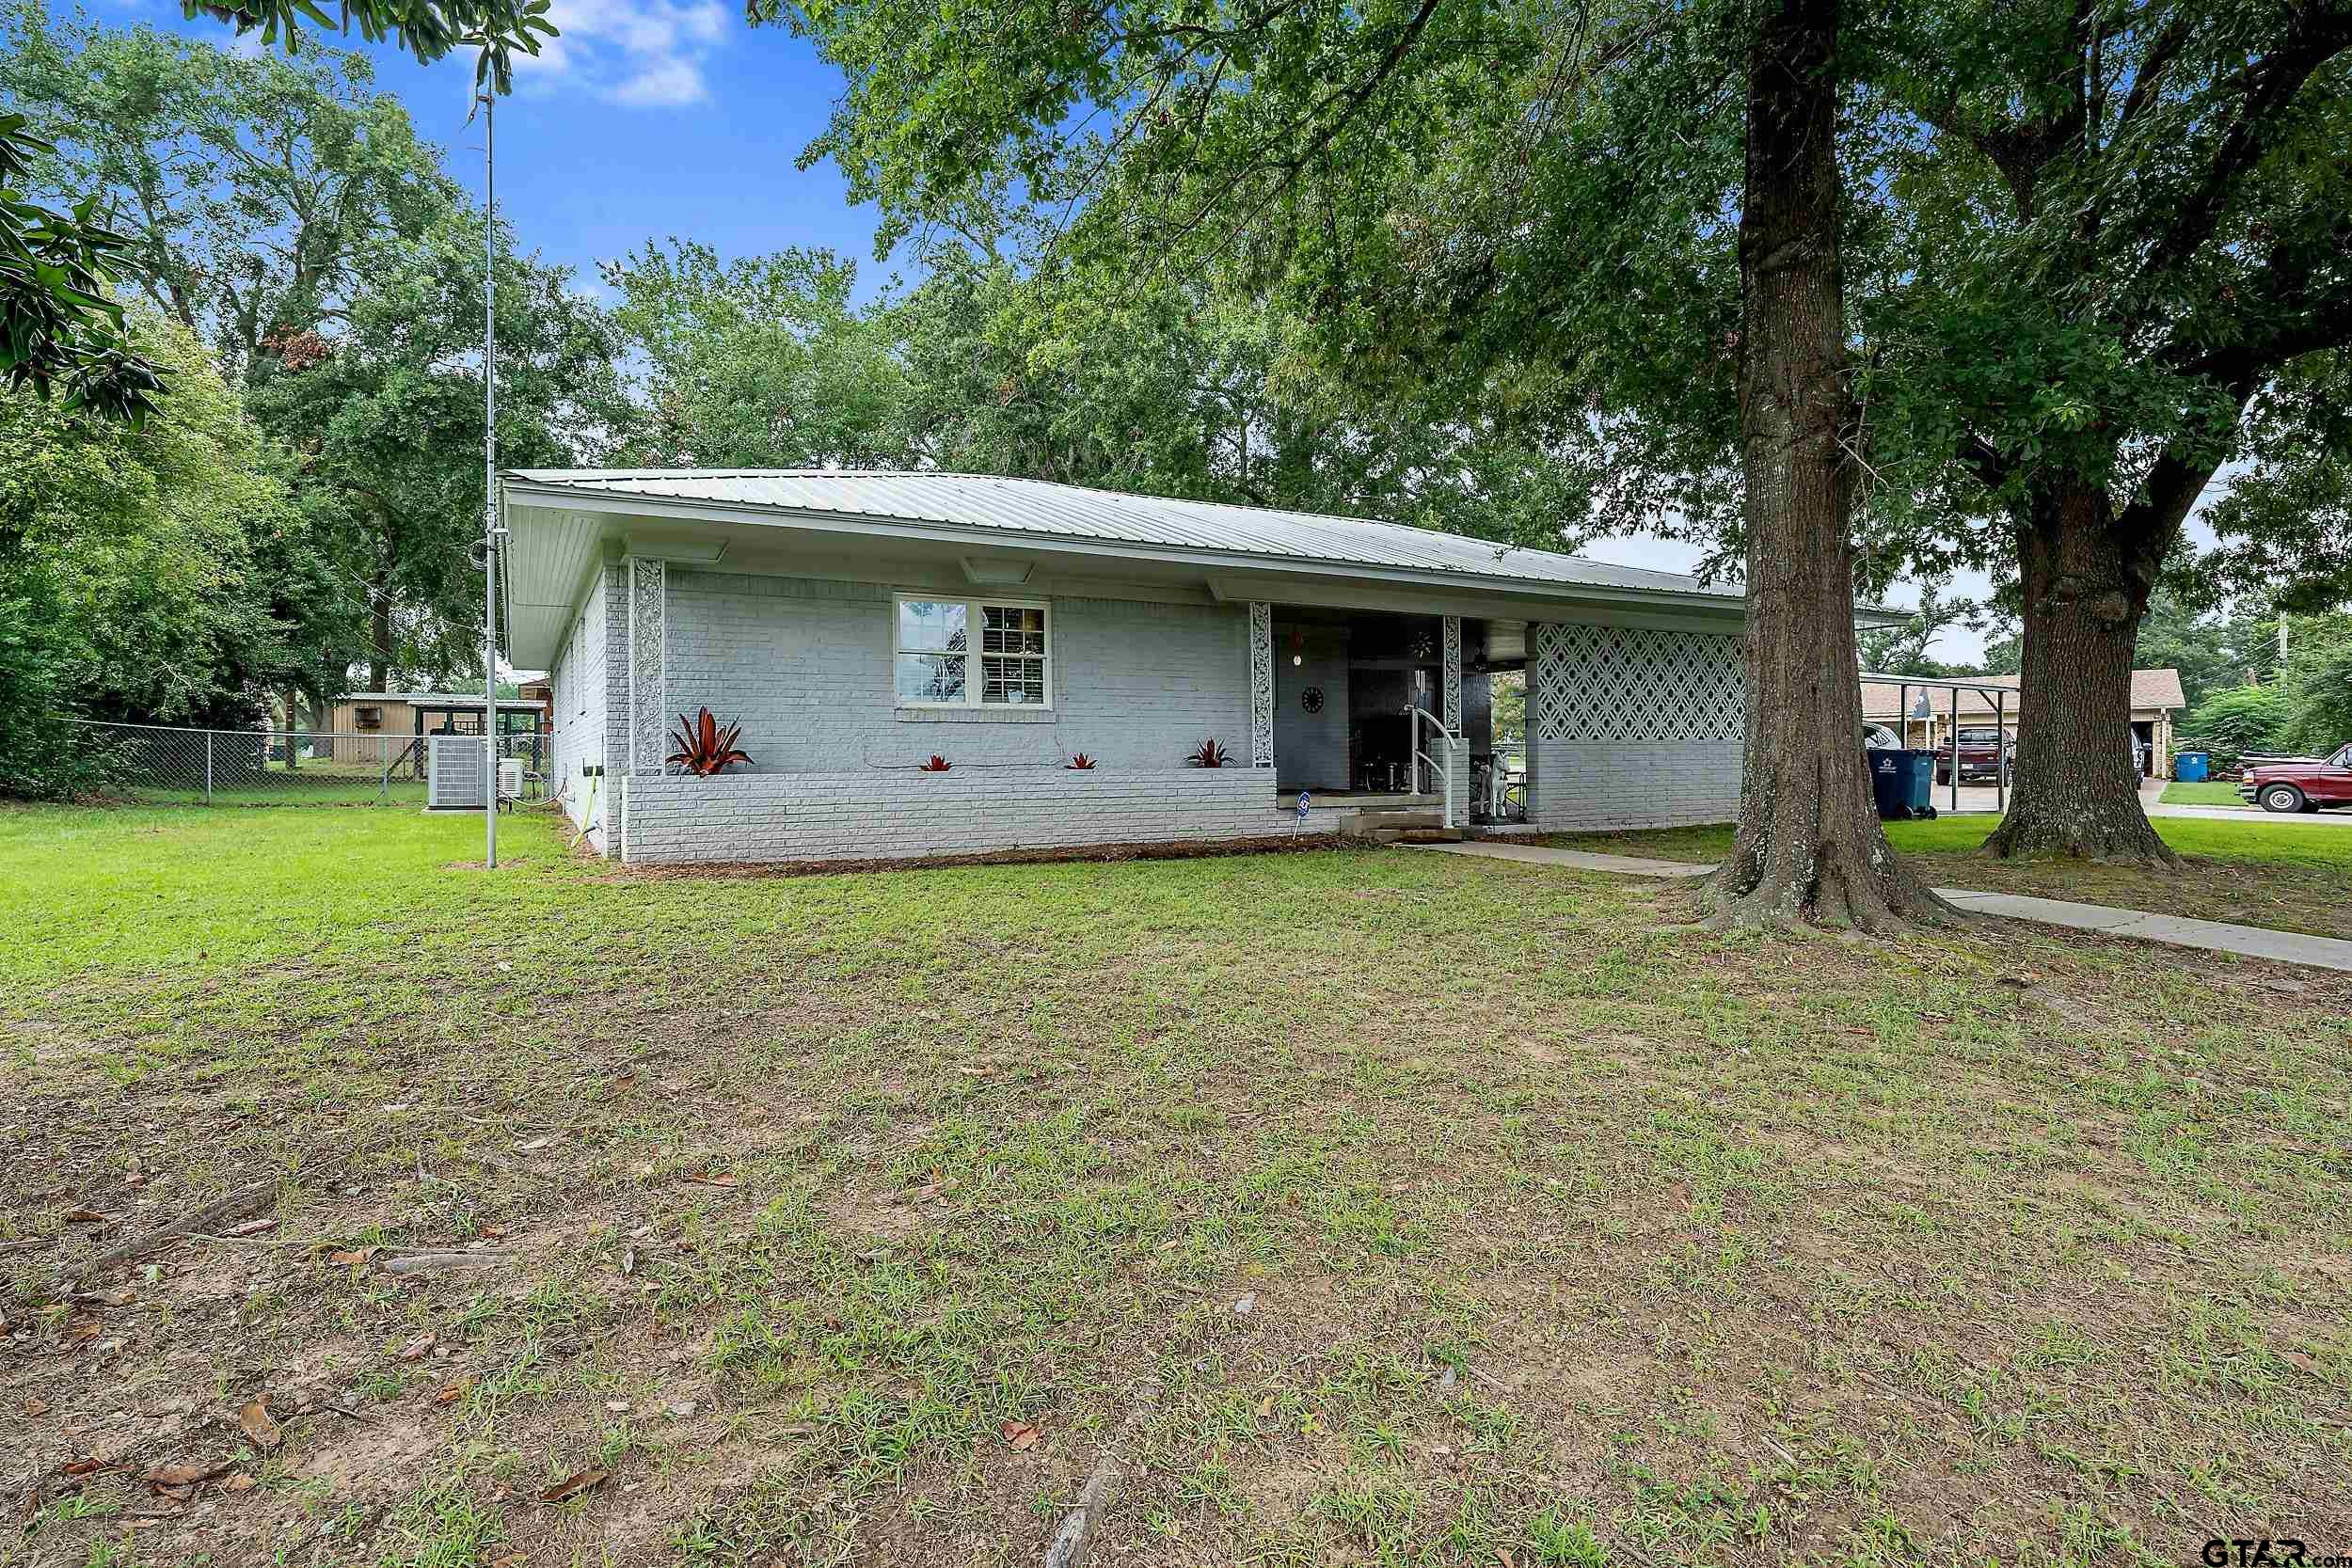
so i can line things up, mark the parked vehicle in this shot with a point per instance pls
(1985, 752)
(2300, 783)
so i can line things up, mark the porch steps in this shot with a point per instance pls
(1400, 827)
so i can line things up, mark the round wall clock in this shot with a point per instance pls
(1312, 699)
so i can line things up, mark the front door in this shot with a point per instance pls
(1310, 705)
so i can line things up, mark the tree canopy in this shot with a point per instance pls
(285, 212)
(156, 573)
(2094, 254)
(60, 322)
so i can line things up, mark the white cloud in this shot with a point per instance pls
(666, 81)
(644, 53)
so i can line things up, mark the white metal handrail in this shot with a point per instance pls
(1420, 713)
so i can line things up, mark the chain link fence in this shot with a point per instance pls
(158, 765)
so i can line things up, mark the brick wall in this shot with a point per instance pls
(1633, 729)
(1604, 785)
(805, 664)
(898, 815)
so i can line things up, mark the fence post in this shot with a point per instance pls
(208, 768)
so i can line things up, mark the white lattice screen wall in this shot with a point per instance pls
(1626, 683)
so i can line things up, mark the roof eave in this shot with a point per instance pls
(694, 510)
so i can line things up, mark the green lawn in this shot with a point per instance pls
(2290, 875)
(842, 1219)
(2212, 792)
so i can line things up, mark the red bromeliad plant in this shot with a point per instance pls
(1207, 754)
(1080, 763)
(703, 748)
(937, 765)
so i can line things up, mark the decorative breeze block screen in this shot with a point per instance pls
(1627, 683)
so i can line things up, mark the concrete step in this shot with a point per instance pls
(1367, 822)
(1429, 835)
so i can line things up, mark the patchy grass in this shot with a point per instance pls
(2209, 792)
(1567, 1234)
(2288, 875)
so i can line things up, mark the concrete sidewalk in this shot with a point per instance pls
(2214, 936)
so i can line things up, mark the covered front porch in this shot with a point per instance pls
(1371, 711)
(1499, 722)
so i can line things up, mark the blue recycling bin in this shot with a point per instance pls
(2193, 766)
(1901, 783)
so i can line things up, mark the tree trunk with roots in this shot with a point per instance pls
(1809, 843)
(2086, 583)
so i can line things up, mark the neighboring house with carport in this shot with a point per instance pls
(1924, 717)
(380, 726)
(857, 624)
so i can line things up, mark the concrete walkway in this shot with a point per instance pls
(2214, 936)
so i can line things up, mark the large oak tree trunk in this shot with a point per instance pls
(2084, 591)
(1809, 842)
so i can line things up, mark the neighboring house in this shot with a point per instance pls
(2156, 699)
(858, 624)
(376, 726)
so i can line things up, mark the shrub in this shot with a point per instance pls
(2240, 718)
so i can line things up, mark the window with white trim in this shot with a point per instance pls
(970, 652)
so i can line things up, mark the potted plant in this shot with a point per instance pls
(936, 765)
(1080, 763)
(1207, 754)
(703, 748)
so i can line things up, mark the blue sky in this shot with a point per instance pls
(643, 119)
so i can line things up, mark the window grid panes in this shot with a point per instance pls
(934, 653)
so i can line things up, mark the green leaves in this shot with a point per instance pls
(428, 28)
(60, 324)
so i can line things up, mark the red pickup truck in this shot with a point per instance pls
(2300, 783)
(1985, 752)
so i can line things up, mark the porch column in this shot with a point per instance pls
(1547, 672)
(649, 622)
(1260, 684)
(1449, 693)
(1450, 709)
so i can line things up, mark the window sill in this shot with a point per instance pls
(974, 715)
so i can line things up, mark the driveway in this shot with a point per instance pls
(1979, 799)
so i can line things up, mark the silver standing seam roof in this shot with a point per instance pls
(1033, 509)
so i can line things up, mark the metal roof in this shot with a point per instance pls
(1042, 510)
(435, 699)
(1881, 695)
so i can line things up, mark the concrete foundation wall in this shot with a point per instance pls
(903, 815)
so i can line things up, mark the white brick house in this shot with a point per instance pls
(858, 624)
